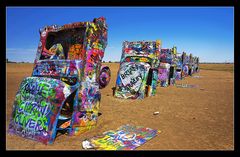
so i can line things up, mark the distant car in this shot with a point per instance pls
(62, 95)
(191, 65)
(195, 65)
(178, 67)
(185, 64)
(138, 73)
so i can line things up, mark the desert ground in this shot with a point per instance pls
(189, 118)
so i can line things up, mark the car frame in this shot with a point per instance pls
(62, 94)
(138, 74)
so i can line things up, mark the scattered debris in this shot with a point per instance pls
(87, 145)
(196, 76)
(156, 113)
(186, 86)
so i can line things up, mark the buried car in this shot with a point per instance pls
(185, 64)
(179, 67)
(163, 74)
(195, 65)
(190, 64)
(167, 61)
(138, 74)
(62, 95)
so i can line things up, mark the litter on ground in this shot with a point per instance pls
(155, 113)
(186, 86)
(196, 76)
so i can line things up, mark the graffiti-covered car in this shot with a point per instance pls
(163, 74)
(190, 65)
(62, 95)
(138, 74)
(185, 64)
(195, 64)
(167, 57)
(179, 67)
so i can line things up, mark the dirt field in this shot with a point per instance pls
(189, 118)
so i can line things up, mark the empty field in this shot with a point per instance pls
(218, 67)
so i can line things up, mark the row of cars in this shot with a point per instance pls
(63, 93)
(144, 65)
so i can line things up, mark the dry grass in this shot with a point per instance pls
(217, 67)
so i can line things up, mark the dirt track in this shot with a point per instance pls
(189, 118)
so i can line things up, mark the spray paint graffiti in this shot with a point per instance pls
(105, 76)
(131, 80)
(86, 116)
(152, 89)
(179, 66)
(168, 56)
(163, 74)
(178, 74)
(132, 77)
(126, 137)
(178, 63)
(190, 64)
(63, 92)
(185, 64)
(137, 76)
(36, 104)
(195, 65)
(185, 70)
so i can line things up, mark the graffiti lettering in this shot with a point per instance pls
(30, 108)
(36, 88)
(32, 115)
(31, 122)
(135, 80)
(129, 71)
(67, 57)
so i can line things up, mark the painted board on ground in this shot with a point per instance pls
(126, 137)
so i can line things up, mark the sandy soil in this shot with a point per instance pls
(189, 118)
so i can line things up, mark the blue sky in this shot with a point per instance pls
(207, 32)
